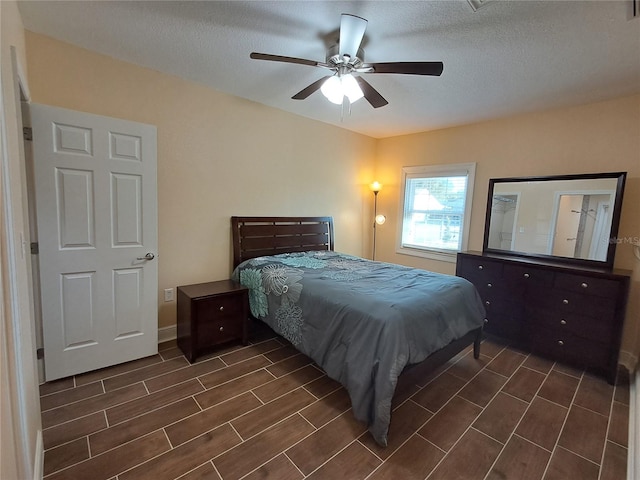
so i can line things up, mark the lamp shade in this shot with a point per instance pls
(332, 90)
(337, 87)
(375, 187)
(351, 88)
(380, 219)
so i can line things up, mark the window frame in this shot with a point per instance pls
(432, 171)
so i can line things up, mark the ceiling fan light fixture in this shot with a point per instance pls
(337, 87)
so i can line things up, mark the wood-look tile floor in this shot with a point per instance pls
(265, 411)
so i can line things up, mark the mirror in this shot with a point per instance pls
(570, 218)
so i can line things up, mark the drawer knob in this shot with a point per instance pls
(526, 275)
(565, 301)
(222, 309)
(584, 285)
(480, 267)
(222, 329)
(487, 302)
(563, 322)
(489, 285)
(560, 342)
(486, 320)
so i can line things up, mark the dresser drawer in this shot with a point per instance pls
(499, 289)
(527, 275)
(571, 349)
(595, 329)
(564, 302)
(505, 326)
(599, 287)
(478, 270)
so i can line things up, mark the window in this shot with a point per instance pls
(436, 209)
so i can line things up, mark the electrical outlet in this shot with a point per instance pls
(168, 294)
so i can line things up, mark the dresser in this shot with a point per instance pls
(570, 314)
(210, 314)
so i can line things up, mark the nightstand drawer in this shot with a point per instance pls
(219, 306)
(219, 330)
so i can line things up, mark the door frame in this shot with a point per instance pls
(18, 351)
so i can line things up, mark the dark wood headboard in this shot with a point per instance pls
(259, 236)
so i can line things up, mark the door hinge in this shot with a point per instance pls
(35, 248)
(27, 132)
(40, 353)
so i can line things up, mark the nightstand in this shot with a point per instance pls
(210, 314)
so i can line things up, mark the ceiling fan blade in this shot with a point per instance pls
(305, 92)
(279, 58)
(409, 68)
(371, 94)
(351, 34)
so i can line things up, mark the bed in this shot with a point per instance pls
(362, 322)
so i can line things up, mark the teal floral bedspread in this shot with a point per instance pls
(361, 321)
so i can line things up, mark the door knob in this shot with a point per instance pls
(148, 256)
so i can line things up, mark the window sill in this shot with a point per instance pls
(431, 254)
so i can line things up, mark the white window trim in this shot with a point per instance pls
(468, 169)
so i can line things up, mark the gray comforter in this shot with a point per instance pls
(361, 321)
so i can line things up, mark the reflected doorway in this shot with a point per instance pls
(581, 226)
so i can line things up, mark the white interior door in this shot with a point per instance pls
(96, 204)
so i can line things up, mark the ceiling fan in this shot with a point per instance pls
(347, 58)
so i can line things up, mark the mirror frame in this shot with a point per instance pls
(617, 209)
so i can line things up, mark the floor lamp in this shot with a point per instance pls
(377, 219)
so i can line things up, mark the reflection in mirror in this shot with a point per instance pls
(503, 221)
(569, 216)
(582, 226)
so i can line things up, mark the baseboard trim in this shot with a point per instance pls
(628, 360)
(167, 333)
(633, 453)
(38, 462)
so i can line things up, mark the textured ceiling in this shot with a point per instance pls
(505, 58)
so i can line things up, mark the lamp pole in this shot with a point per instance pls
(375, 214)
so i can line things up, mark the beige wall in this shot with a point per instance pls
(218, 156)
(21, 452)
(591, 138)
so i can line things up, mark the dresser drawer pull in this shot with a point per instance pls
(526, 275)
(560, 342)
(222, 329)
(489, 285)
(487, 302)
(565, 301)
(221, 309)
(563, 322)
(480, 267)
(584, 285)
(486, 320)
